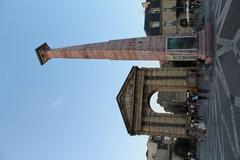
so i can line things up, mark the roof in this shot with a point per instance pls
(125, 99)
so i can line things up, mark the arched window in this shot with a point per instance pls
(155, 106)
(168, 102)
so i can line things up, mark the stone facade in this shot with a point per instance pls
(166, 17)
(160, 148)
(157, 150)
(134, 96)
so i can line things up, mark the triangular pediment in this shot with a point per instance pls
(125, 98)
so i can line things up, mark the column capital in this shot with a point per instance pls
(40, 51)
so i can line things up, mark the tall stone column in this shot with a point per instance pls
(160, 48)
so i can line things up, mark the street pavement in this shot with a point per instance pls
(222, 109)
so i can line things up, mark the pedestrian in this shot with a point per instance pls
(192, 106)
(203, 63)
(195, 121)
(200, 117)
(195, 104)
(195, 97)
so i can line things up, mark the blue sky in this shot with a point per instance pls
(66, 109)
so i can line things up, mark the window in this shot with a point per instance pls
(155, 106)
(170, 23)
(155, 10)
(163, 146)
(155, 24)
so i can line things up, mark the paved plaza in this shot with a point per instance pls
(222, 110)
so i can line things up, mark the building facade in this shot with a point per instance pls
(167, 17)
(161, 148)
(134, 96)
(158, 149)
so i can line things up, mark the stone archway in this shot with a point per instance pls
(133, 100)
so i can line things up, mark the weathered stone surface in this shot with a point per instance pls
(134, 97)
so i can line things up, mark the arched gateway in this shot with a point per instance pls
(133, 100)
